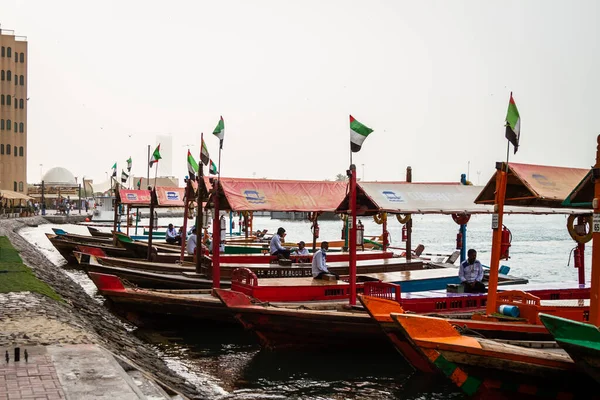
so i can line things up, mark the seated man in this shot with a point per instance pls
(275, 247)
(302, 251)
(319, 263)
(192, 242)
(470, 273)
(172, 237)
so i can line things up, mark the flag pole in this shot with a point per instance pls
(199, 218)
(148, 168)
(219, 171)
(155, 173)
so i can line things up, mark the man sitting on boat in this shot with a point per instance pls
(172, 237)
(302, 252)
(192, 242)
(470, 273)
(319, 263)
(276, 248)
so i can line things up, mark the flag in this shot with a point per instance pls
(155, 156)
(139, 184)
(358, 134)
(213, 168)
(114, 168)
(204, 157)
(192, 166)
(513, 124)
(220, 132)
(129, 164)
(124, 176)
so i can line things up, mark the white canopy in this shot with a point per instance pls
(429, 198)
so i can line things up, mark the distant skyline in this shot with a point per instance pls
(431, 78)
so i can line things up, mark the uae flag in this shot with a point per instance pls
(124, 176)
(204, 157)
(220, 132)
(513, 123)
(358, 134)
(213, 168)
(129, 164)
(155, 156)
(114, 168)
(139, 184)
(192, 166)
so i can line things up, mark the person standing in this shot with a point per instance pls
(275, 246)
(470, 273)
(319, 263)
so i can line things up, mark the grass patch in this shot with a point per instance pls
(16, 276)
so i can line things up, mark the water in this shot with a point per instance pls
(228, 362)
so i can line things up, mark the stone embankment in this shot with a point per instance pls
(29, 319)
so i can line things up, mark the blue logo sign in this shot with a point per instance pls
(392, 196)
(172, 195)
(131, 196)
(252, 196)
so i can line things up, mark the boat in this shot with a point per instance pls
(579, 339)
(489, 369)
(104, 210)
(81, 238)
(98, 233)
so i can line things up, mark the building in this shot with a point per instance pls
(59, 183)
(13, 111)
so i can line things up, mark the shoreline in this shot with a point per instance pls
(32, 319)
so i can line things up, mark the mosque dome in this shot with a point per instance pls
(59, 176)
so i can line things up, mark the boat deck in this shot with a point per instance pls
(359, 263)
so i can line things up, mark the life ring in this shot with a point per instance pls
(403, 218)
(380, 218)
(461, 219)
(587, 219)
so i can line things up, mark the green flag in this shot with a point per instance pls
(204, 156)
(129, 164)
(220, 132)
(192, 166)
(139, 184)
(155, 156)
(513, 123)
(358, 134)
(213, 168)
(124, 176)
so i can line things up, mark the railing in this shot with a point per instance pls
(244, 276)
(383, 290)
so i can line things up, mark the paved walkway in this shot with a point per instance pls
(77, 372)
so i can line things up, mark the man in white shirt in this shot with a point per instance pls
(302, 251)
(319, 263)
(192, 242)
(275, 246)
(470, 273)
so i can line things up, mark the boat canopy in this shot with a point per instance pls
(10, 195)
(134, 197)
(427, 198)
(245, 194)
(532, 185)
(583, 193)
(170, 196)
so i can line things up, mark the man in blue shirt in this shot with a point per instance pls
(470, 273)
(319, 263)
(172, 237)
(275, 246)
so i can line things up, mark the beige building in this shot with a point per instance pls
(13, 111)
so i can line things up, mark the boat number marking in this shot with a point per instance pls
(596, 224)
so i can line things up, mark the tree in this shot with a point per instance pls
(341, 178)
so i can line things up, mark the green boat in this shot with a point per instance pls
(580, 340)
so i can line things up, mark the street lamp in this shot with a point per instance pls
(41, 174)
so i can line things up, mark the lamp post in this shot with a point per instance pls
(41, 173)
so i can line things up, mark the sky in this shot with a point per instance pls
(431, 78)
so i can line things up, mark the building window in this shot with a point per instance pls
(1, 124)
(21, 186)
(16, 127)
(8, 52)
(8, 75)
(21, 127)
(3, 51)
(21, 151)
(16, 105)
(21, 80)
(2, 75)
(8, 149)
(8, 99)
(15, 182)
(1, 99)
(1, 149)
(21, 103)
(16, 80)
(15, 151)
(22, 57)
(8, 125)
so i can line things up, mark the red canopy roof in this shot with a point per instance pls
(240, 194)
(170, 196)
(134, 197)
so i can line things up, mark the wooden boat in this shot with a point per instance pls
(98, 233)
(580, 340)
(81, 238)
(489, 369)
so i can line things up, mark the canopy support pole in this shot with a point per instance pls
(216, 243)
(409, 222)
(352, 234)
(595, 287)
(496, 237)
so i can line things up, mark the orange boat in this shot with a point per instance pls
(488, 369)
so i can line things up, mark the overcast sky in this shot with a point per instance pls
(432, 78)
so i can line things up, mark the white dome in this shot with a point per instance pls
(59, 176)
